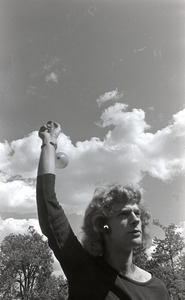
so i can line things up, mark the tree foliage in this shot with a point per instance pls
(55, 288)
(168, 260)
(26, 265)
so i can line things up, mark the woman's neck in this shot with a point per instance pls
(121, 262)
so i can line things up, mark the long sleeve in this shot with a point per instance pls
(51, 215)
(56, 228)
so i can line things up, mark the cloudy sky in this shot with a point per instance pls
(112, 73)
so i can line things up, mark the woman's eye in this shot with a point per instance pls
(124, 213)
(127, 213)
(138, 213)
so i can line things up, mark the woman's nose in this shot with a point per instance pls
(135, 218)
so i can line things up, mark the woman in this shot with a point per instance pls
(115, 224)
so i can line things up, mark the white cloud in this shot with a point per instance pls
(20, 156)
(109, 96)
(181, 229)
(17, 195)
(127, 152)
(18, 170)
(17, 226)
(53, 77)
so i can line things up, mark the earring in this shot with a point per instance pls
(106, 227)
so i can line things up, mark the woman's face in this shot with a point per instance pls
(125, 226)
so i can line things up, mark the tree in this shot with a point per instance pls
(180, 281)
(166, 258)
(25, 265)
(141, 258)
(171, 246)
(55, 288)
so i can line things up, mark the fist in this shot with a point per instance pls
(50, 131)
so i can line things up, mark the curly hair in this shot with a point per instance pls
(101, 208)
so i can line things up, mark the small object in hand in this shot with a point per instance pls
(62, 160)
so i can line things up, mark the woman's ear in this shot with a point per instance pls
(99, 222)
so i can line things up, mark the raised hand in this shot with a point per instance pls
(50, 131)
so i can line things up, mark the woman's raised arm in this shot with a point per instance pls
(48, 134)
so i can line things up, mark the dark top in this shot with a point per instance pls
(89, 278)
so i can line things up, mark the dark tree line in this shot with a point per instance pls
(26, 266)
